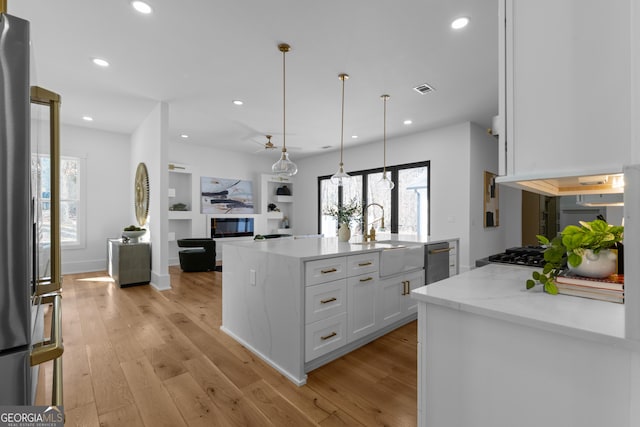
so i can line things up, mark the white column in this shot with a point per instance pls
(632, 251)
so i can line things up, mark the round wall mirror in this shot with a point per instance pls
(141, 189)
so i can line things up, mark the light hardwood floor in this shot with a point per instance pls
(138, 357)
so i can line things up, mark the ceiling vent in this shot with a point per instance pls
(423, 89)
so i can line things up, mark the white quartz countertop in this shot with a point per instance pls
(499, 291)
(317, 248)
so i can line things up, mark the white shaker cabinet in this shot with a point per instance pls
(565, 87)
(394, 302)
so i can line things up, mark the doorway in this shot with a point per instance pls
(539, 216)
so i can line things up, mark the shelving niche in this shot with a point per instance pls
(180, 221)
(274, 220)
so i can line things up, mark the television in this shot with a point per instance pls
(231, 227)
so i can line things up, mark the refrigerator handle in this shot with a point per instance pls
(52, 348)
(45, 97)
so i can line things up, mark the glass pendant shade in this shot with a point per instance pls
(385, 182)
(341, 177)
(284, 166)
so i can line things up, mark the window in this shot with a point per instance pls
(406, 207)
(70, 201)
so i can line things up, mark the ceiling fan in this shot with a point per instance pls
(267, 145)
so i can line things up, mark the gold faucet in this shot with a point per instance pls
(371, 236)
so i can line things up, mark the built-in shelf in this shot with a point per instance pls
(274, 215)
(180, 224)
(275, 221)
(284, 199)
(179, 215)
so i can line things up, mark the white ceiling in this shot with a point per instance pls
(199, 55)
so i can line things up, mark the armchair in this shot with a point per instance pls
(200, 255)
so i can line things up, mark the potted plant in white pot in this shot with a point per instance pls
(346, 214)
(584, 250)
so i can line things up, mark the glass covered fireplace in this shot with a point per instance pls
(231, 227)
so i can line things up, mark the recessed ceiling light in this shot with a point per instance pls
(354, 136)
(238, 102)
(459, 23)
(408, 122)
(141, 7)
(184, 136)
(100, 62)
(87, 118)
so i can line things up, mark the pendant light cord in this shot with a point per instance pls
(384, 134)
(284, 104)
(343, 77)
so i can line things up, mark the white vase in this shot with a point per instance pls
(598, 265)
(344, 233)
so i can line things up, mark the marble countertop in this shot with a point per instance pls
(317, 248)
(498, 291)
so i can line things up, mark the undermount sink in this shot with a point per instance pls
(397, 257)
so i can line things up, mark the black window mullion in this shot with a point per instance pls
(393, 221)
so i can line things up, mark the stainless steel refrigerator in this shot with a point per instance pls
(24, 291)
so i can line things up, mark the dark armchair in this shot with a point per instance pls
(200, 255)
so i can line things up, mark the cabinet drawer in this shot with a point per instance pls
(325, 270)
(325, 300)
(363, 263)
(324, 336)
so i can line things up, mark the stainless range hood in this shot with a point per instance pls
(596, 183)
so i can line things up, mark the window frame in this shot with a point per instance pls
(394, 172)
(81, 212)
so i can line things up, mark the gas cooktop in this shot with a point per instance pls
(532, 256)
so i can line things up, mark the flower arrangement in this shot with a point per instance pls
(569, 248)
(347, 213)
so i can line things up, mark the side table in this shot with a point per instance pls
(129, 263)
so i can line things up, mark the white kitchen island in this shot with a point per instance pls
(300, 303)
(493, 354)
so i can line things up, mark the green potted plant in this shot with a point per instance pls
(346, 214)
(575, 244)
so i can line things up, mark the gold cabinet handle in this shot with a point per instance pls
(53, 348)
(331, 270)
(47, 98)
(326, 301)
(439, 251)
(368, 279)
(326, 337)
(406, 287)
(364, 264)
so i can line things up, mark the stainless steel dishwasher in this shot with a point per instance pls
(436, 261)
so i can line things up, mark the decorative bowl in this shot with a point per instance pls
(133, 236)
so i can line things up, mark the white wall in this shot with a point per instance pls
(106, 183)
(484, 157)
(449, 151)
(149, 144)
(511, 215)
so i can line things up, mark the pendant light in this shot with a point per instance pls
(385, 182)
(284, 166)
(339, 178)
